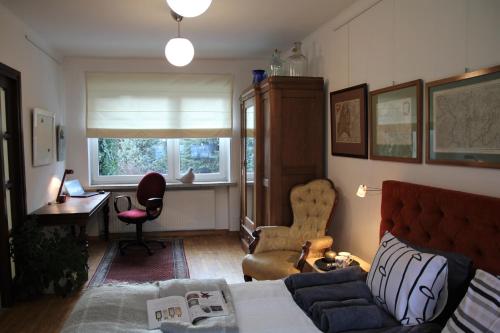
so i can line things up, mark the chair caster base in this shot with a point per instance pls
(126, 243)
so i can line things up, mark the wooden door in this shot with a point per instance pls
(12, 181)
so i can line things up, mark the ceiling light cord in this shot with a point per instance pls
(178, 18)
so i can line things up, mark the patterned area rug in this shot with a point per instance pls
(136, 266)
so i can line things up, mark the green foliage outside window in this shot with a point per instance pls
(139, 156)
(132, 156)
(250, 154)
(200, 154)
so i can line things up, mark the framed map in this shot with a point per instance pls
(396, 123)
(464, 119)
(348, 117)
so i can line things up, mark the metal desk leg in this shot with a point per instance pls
(105, 211)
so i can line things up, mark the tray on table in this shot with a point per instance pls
(325, 265)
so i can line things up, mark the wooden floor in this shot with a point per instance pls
(210, 256)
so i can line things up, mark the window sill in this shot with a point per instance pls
(170, 186)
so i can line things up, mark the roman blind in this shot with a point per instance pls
(158, 105)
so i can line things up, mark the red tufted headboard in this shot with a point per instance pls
(445, 220)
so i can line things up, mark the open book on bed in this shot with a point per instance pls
(195, 305)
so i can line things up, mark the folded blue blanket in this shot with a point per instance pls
(316, 309)
(340, 301)
(398, 328)
(354, 317)
(305, 297)
(302, 280)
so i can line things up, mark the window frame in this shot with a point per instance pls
(173, 165)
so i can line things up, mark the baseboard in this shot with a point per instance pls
(167, 234)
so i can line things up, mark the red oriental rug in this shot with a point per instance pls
(136, 266)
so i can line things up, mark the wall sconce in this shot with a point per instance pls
(62, 198)
(362, 189)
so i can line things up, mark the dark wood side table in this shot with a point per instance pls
(76, 212)
(311, 267)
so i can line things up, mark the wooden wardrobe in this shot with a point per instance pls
(283, 123)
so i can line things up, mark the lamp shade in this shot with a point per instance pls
(179, 51)
(361, 191)
(189, 8)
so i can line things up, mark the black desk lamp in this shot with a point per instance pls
(62, 198)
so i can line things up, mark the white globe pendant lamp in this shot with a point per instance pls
(189, 8)
(179, 51)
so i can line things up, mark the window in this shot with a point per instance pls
(126, 160)
(163, 122)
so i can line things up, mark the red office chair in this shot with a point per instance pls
(150, 195)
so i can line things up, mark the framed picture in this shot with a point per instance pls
(463, 120)
(349, 125)
(61, 143)
(43, 137)
(396, 123)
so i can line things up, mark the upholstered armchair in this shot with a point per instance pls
(279, 251)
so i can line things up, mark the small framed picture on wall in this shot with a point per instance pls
(396, 123)
(349, 121)
(43, 137)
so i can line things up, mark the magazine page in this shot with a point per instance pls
(203, 304)
(172, 308)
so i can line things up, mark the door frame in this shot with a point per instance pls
(10, 80)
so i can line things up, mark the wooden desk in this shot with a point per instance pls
(75, 212)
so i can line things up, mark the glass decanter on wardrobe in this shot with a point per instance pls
(297, 62)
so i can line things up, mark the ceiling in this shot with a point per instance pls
(141, 28)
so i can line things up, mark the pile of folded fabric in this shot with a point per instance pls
(340, 301)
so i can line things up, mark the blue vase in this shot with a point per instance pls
(258, 75)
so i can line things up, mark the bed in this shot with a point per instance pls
(424, 216)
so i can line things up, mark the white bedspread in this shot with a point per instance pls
(268, 307)
(261, 307)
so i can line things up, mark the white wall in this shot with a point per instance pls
(400, 40)
(42, 87)
(77, 154)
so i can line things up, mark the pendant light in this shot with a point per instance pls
(189, 8)
(179, 51)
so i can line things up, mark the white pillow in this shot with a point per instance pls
(409, 284)
(479, 310)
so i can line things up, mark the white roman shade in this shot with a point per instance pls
(158, 105)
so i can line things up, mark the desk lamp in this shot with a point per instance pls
(61, 198)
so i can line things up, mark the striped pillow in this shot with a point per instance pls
(479, 309)
(409, 284)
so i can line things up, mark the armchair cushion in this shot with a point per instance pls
(270, 265)
(275, 238)
(312, 206)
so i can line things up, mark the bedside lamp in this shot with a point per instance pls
(62, 198)
(362, 189)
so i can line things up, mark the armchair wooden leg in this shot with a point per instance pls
(247, 278)
(303, 256)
